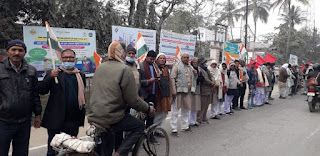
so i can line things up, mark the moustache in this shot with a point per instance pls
(16, 56)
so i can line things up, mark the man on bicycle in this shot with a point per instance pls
(114, 92)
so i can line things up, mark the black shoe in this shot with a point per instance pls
(237, 109)
(194, 125)
(159, 134)
(230, 113)
(215, 117)
(175, 134)
(153, 140)
(187, 130)
(243, 108)
(267, 103)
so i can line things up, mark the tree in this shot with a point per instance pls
(182, 21)
(152, 17)
(229, 13)
(131, 11)
(293, 16)
(260, 10)
(141, 14)
(286, 4)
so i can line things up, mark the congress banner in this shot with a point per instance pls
(232, 49)
(170, 40)
(82, 41)
(130, 35)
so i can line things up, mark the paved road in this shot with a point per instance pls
(284, 128)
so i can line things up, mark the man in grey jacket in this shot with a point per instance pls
(111, 99)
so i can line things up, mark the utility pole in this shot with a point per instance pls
(246, 28)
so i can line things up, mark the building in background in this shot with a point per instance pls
(257, 48)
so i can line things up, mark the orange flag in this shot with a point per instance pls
(177, 54)
(97, 59)
(228, 58)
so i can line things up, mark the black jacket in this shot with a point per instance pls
(18, 96)
(55, 112)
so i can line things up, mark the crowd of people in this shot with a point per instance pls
(122, 88)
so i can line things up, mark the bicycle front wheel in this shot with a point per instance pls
(140, 148)
(159, 145)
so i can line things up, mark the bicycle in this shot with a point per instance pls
(149, 149)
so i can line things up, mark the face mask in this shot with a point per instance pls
(68, 65)
(207, 64)
(130, 59)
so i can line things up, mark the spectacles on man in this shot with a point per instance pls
(67, 58)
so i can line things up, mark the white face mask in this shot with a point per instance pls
(68, 65)
(130, 59)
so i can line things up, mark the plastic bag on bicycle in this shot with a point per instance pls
(65, 140)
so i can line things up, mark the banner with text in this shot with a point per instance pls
(129, 35)
(170, 40)
(232, 49)
(82, 41)
(293, 59)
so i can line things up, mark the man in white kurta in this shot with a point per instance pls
(183, 84)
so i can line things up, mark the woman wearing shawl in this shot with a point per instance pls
(219, 84)
(234, 81)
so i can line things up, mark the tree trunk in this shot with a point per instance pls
(231, 33)
(255, 31)
(131, 13)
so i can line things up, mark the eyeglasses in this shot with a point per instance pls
(67, 58)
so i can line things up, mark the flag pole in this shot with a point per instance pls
(52, 59)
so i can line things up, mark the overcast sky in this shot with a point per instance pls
(273, 21)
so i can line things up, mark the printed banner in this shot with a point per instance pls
(82, 41)
(293, 59)
(232, 49)
(170, 40)
(130, 36)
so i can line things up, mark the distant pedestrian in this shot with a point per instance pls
(268, 73)
(234, 82)
(252, 73)
(283, 76)
(262, 82)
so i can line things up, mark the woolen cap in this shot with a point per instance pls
(131, 48)
(16, 43)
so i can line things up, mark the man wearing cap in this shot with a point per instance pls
(184, 81)
(131, 62)
(206, 90)
(163, 96)
(18, 99)
(252, 74)
(149, 84)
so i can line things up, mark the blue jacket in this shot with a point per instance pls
(252, 77)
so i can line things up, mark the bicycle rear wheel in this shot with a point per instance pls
(163, 146)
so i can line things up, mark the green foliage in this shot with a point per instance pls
(141, 14)
(152, 17)
(303, 43)
(183, 21)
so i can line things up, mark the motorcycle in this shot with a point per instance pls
(313, 98)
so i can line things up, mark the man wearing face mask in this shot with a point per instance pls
(131, 62)
(65, 108)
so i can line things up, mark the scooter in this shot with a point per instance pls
(313, 98)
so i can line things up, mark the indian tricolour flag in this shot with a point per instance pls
(243, 51)
(141, 47)
(55, 44)
(97, 59)
(177, 55)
